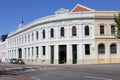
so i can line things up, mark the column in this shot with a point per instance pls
(47, 54)
(26, 54)
(69, 54)
(30, 55)
(23, 53)
(56, 54)
(40, 55)
(80, 54)
(34, 55)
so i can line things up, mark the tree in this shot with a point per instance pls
(117, 21)
(4, 37)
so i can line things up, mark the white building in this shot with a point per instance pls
(67, 37)
(3, 51)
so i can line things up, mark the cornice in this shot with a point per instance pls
(51, 19)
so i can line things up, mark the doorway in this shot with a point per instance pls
(74, 54)
(52, 54)
(20, 53)
(62, 54)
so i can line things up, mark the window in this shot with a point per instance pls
(113, 49)
(62, 31)
(52, 54)
(74, 32)
(52, 33)
(32, 36)
(87, 49)
(112, 30)
(25, 39)
(32, 51)
(37, 51)
(101, 29)
(37, 35)
(43, 50)
(28, 37)
(43, 33)
(86, 30)
(101, 49)
(28, 52)
(25, 52)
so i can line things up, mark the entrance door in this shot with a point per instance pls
(19, 53)
(52, 54)
(62, 54)
(74, 54)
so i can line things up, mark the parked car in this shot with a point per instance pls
(19, 61)
(13, 60)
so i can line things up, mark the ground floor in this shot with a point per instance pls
(82, 53)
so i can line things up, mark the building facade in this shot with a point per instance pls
(3, 51)
(79, 36)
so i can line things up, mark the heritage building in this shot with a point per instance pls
(3, 51)
(79, 36)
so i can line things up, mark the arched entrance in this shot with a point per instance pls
(20, 53)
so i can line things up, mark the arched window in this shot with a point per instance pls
(62, 31)
(52, 32)
(37, 35)
(101, 49)
(113, 49)
(28, 37)
(32, 36)
(22, 39)
(25, 39)
(43, 33)
(74, 31)
(86, 30)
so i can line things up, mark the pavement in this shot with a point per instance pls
(5, 76)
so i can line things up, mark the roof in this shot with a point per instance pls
(80, 8)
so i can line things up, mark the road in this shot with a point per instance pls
(65, 72)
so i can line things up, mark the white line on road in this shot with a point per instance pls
(35, 78)
(99, 78)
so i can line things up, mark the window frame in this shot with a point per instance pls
(43, 32)
(112, 29)
(74, 31)
(102, 29)
(62, 31)
(101, 50)
(87, 30)
(113, 50)
(51, 32)
(87, 49)
(37, 35)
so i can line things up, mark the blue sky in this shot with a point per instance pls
(12, 12)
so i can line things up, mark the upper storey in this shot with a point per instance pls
(60, 15)
(79, 12)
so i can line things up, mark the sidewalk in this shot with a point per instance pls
(9, 76)
(4, 77)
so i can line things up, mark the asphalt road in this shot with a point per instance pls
(67, 72)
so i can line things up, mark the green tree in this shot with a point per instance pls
(117, 21)
(4, 37)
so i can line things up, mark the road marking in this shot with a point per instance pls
(100, 78)
(35, 78)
